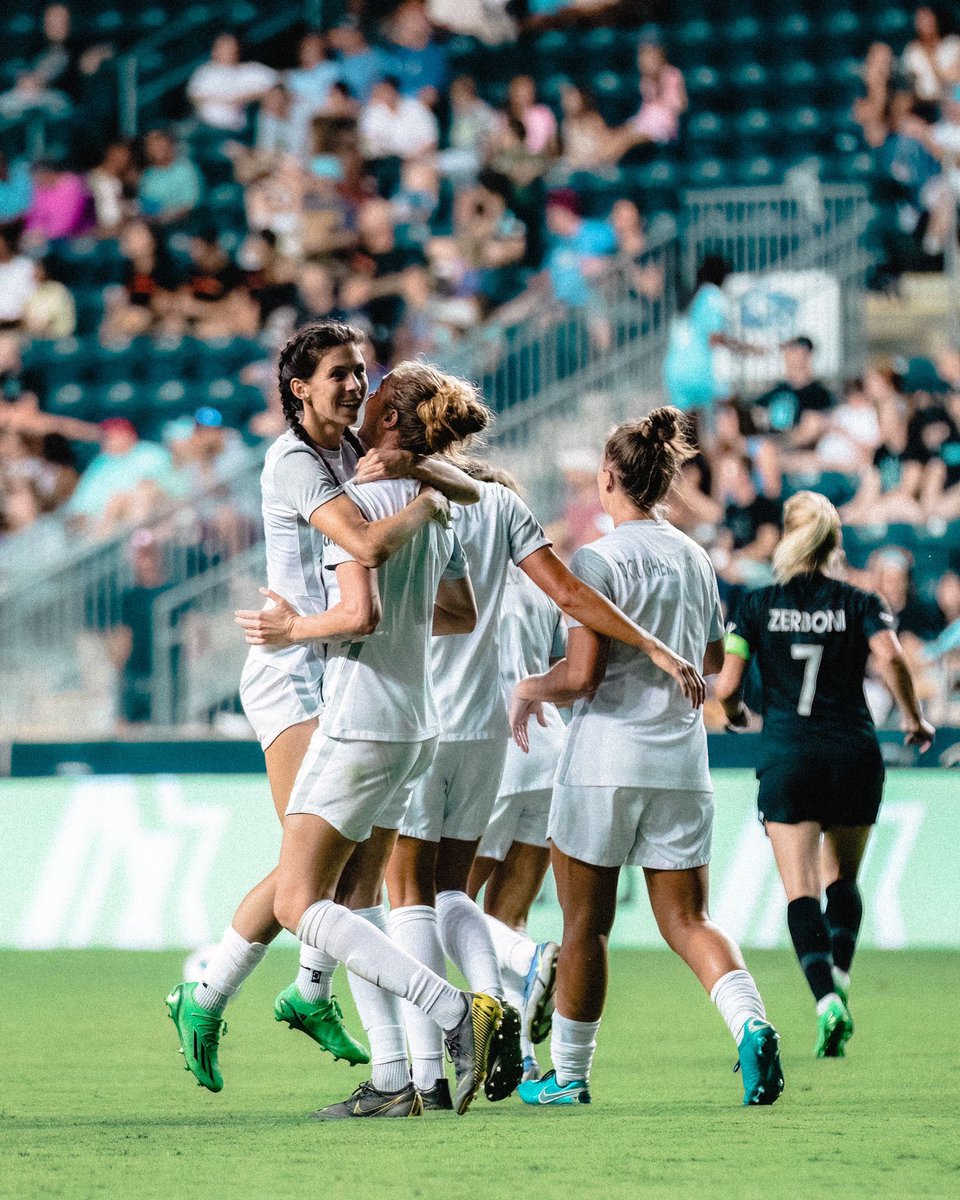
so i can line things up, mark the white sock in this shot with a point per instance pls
(232, 962)
(382, 1019)
(841, 979)
(735, 995)
(825, 1001)
(515, 950)
(465, 936)
(367, 952)
(415, 929)
(572, 1048)
(315, 977)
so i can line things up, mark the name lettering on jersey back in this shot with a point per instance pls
(793, 620)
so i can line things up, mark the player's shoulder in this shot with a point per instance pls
(383, 498)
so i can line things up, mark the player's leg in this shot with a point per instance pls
(796, 848)
(588, 899)
(841, 854)
(197, 1009)
(679, 900)
(312, 857)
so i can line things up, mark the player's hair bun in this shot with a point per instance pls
(646, 455)
(435, 411)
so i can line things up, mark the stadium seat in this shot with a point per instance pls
(171, 399)
(56, 364)
(121, 400)
(70, 400)
(119, 362)
(749, 85)
(708, 133)
(171, 358)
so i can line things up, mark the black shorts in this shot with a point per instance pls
(830, 792)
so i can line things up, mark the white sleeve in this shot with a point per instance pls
(301, 481)
(594, 570)
(457, 567)
(524, 531)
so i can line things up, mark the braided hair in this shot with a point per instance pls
(647, 455)
(299, 359)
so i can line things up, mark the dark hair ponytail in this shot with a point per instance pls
(647, 455)
(299, 359)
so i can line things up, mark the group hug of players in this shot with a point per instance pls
(404, 679)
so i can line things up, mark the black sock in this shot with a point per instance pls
(811, 940)
(843, 915)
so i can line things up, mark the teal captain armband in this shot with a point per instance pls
(734, 644)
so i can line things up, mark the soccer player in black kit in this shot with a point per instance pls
(820, 770)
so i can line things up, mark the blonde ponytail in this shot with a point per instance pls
(811, 536)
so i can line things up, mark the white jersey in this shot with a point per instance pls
(639, 730)
(380, 689)
(532, 632)
(296, 480)
(466, 669)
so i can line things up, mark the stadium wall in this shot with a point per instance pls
(159, 861)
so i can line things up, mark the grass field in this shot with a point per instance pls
(95, 1103)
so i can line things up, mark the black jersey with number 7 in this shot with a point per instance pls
(810, 640)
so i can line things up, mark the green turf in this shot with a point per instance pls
(96, 1104)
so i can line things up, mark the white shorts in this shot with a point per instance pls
(456, 796)
(355, 785)
(664, 829)
(521, 817)
(274, 701)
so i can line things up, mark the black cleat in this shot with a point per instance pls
(505, 1064)
(367, 1101)
(437, 1098)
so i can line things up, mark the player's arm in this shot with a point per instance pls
(435, 472)
(586, 605)
(729, 686)
(577, 675)
(455, 608)
(356, 615)
(892, 663)
(713, 657)
(372, 542)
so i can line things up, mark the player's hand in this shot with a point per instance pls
(268, 626)
(686, 674)
(519, 716)
(740, 722)
(921, 734)
(384, 463)
(440, 504)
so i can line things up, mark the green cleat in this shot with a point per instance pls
(199, 1032)
(834, 1030)
(321, 1020)
(759, 1063)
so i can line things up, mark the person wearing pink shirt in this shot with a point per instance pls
(62, 206)
(663, 94)
(538, 121)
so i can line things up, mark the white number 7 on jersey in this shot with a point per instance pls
(812, 656)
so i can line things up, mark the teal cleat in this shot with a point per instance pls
(834, 1030)
(547, 1091)
(539, 993)
(759, 1063)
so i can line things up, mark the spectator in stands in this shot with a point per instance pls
(583, 519)
(124, 481)
(50, 312)
(917, 618)
(309, 83)
(947, 596)
(646, 278)
(537, 122)
(113, 185)
(316, 294)
(943, 192)
(905, 158)
(882, 78)
(940, 494)
(268, 276)
(487, 20)
(222, 88)
(361, 65)
(689, 369)
(16, 189)
(375, 283)
(61, 207)
(213, 299)
(150, 283)
(586, 140)
(751, 523)
(889, 489)
(663, 95)
(798, 406)
(170, 186)
(216, 452)
(281, 127)
(130, 646)
(17, 281)
(45, 82)
(396, 126)
(473, 127)
(579, 248)
(931, 62)
(853, 433)
(416, 59)
(329, 220)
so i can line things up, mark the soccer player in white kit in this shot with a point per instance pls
(431, 913)
(323, 383)
(633, 785)
(376, 737)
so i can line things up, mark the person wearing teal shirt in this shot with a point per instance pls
(124, 462)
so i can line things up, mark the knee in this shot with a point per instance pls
(676, 927)
(289, 905)
(361, 894)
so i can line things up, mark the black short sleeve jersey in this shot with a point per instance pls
(810, 640)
